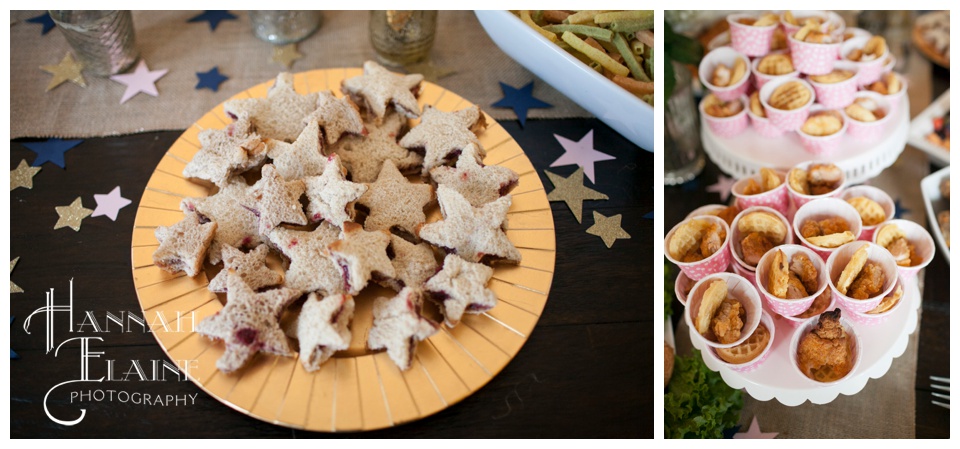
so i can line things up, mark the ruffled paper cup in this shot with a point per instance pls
(801, 16)
(728, 126)
(895, 99)
(809, 325)
(786, 120)
(748, 39)
(760, 79)
(822, 146)
(837, 95)
(716, 263)
(751, 365)
(922, 242)
(873, 319)
(799, 199)
(726, 56)
(797, 320)
(825, 208)
(738, 288)
(869, 70)
(775, 198)
(736, 235)
(875, 194)
(789, 307)
(810, 58)
(870, 131)
(876, 254)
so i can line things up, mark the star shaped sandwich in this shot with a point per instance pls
(332, 197)
(252, 268)
(184, 245)
(236, 225)
(276, 200)
(460, 287)
(249, 323)
(393, 201)
(473, 233)
(477, 183)
(311, 270)
(322, 328)
(281, 115)
(364, 155)
(226, 152)
(336, 116)
(414, 264)
(399, 325)
(299, 159)
(378, 88)
(441, 136)
(361, 255)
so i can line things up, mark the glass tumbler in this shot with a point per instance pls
(104, 41)
(285, 27)
(402, 37)
(683, 157)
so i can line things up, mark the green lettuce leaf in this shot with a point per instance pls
(698, 404)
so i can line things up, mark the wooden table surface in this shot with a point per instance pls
(584, 372)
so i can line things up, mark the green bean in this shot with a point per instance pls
(629, 59)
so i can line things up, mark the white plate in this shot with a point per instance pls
(616, 107)
(778, 379)
(923, 125)
(935, 202)
(744, 154)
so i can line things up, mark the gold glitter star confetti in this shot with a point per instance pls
(23, 175)
(67, 70)
(607, 228)
(285, 55)
(14, 288)
(71, 216)
(572, 191)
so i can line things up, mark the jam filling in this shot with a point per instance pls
(246, 336)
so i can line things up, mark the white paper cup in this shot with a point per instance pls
(747, 367)
(728, 127)
(922, 243)
(870, 131)
(799, 199)
(821, 146)
(775, 198)
(737, 236)
(876, 254)
(873, 319)
(760, 78)
(797, 320)
(837, 95)
(737, 287)
(726, 56)
(787, 120)
(869, 70)
(789, 307)
(716, 263)
(808, 326)
(875, 194)
(821, 209)
(748, 39)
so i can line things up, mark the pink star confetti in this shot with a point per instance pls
(110, 204)
(755, 433)
(141, 80)
(580, 153)
(723, 186)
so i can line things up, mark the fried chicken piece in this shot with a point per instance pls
(806, 271)
(728, 321)
(810, 228)
(869, 282)
(902, 251)
(752, 188)
(712, 240)
(824, 177)
(795, 288)
(692, 256)
(824, 354)
(754, 246)
(729, 214)
(833, 225)
(819, 305)
(821, 189)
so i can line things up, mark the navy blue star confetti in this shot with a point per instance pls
(13, 355)
(520, 100)
(899, 210)
(214, 17)
(210, 79)
(45, 20)
(649, 215)
(51, 150)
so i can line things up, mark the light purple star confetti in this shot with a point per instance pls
(580, 153)
(754, 432)
(110, 204)
(141, 80)
(723, 186)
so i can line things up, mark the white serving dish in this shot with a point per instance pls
(922, 125)
(778, 379)
(616, 107)
(935, 202)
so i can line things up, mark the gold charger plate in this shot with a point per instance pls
(357, 389)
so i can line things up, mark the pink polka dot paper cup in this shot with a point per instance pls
(822, 209)
(853, 32)
(821, 304)
(822, 146)
(889, 64)
(760, 78)
(726, 56)
(869, 70)
(875, 254)
(709, 209)
(798, 198)
(895, 99)
(836, 95)
(748, 39)
(763, 126)
(786, 120)
(810, 58)
(682, 287)
(716, 263)
(876, 316)
(727, 126)
(875, 194)
(775, 198)
(870, 131)
(747, 274)
(801, 17)
(782, 306)
(853, 340)
(766, 321)
(739, 230)
(739, 289)
(923, 247)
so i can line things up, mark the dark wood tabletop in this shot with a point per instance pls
(584, 372)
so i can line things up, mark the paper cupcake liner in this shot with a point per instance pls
(727, 56)
(823, 145)
(876, 254)
(775, 199)
(808, 326)
(738, 288)
(748, 39)
(838, 95)
(871, 319)
(789, 307)
(825, 208)
(790, 120)
(800, 199)
(875, 194)
(920, 238)
(736, 236)
(812, 59)
(717, 263)
(869, 71)
(752, 365)
(728, 126)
